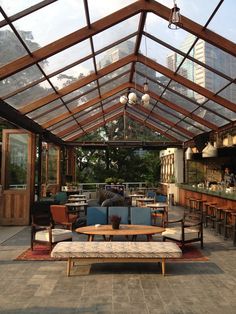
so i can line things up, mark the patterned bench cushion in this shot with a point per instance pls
(117, 250)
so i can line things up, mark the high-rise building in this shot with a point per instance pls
(211, 56)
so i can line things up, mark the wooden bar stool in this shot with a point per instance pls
(192, 204)
(219, 222)
(210, 214)
(230, 224)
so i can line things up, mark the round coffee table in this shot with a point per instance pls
(124, 230)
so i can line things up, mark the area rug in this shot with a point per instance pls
(191, 253)
(42, 253)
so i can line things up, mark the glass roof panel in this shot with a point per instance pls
(78, 133)
(19, 80)
(116, 32)
(51, 114)
(11, 47)
(113, 74)
(81, 91)
(65, 126)
(228, 114)
(82, 100)
(97, 110)
(194, 10)
(202, 76)
(157, 125)
(170, 110)
(156, 76)
(165, 114)
(229, 93)
(1, 17)
(73, 74)
(198, 125)
(114, 98)
(61, 123)
(102, 8)
(110, 85)
(153, 87)
(187, 92)
(177, 135)
(45, 109)
(12, 6)
(180, 101)
(223, 22)
(158, 27)
(87, 111)
(159, 53)
(66, 57)
(190, 128)
(67, 17)
(115, 53)
(214, 57)
(30, 95)
(211, 117)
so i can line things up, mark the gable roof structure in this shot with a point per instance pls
(65, 64)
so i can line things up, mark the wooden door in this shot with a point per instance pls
(17, 177)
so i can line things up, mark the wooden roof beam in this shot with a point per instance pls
(76, 85)
(90, 119)
(187, 83)
(94, 127)
(109, 21)
(150, 126)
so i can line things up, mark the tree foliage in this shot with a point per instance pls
(131, 165)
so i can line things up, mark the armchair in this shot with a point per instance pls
(186, 230)
(61, 216)
(42, 228)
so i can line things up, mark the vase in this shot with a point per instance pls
(116, 225)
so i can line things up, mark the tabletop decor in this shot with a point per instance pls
(115, 221)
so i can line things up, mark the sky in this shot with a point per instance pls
(65, 16)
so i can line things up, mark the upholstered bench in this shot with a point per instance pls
(106, 252)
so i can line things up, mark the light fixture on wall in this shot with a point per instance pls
(188, 153)
(175, 17)
(132, 98)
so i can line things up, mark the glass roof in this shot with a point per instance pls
(68, 80)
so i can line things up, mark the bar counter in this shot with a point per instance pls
(220, 197)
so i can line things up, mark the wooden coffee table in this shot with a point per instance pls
(124, 230)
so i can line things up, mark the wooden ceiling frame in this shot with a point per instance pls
(151, 120)
(187, 83)
(150, 126)
(90, 103)
(109, 21)
(95, 127)
(166, 121)
(90, 119)
(181, 110)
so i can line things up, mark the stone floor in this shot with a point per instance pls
(189, 287)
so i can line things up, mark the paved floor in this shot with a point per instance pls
(189, 287)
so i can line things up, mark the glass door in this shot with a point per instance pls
(18, 157)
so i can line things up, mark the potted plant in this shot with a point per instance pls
(115, 221)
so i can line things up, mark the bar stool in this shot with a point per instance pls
(234, 227)
(199, 206)
(192, 204)
(219, 222)
(230, 224)
(210, 214)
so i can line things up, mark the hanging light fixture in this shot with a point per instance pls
(175, 17)
(132, 98)
(188, 153)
